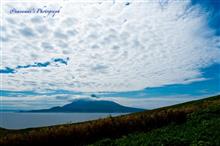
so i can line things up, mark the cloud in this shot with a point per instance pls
(27, 32)
(212, 6)
(153, 102)
(60, 35)
(111, 46)
(38, 101)
(37, 19)
(46, 45)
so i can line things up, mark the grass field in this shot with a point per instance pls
(191, 123)
(202, 128)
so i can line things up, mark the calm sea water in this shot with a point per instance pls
(13, 120)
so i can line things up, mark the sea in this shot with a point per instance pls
(22, 120)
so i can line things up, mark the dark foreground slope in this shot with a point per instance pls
(202, 128)
(192, 123)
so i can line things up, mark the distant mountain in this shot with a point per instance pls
(91, 106)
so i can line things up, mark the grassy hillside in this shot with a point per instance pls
(201, 128)
(192, 123)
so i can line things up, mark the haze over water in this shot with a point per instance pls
(15, 120)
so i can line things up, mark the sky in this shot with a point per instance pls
(139, 53)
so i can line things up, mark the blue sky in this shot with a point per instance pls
(170, 56)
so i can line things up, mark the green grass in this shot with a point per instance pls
(191, 123)
(201, 129)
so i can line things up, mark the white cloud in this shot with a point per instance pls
(112, 47)
(153, 102)
(27, 102)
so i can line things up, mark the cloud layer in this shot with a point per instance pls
(111, 46)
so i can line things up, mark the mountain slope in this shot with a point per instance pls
(91, 106)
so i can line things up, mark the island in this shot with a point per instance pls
(91, 106)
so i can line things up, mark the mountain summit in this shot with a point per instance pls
(91, 106)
